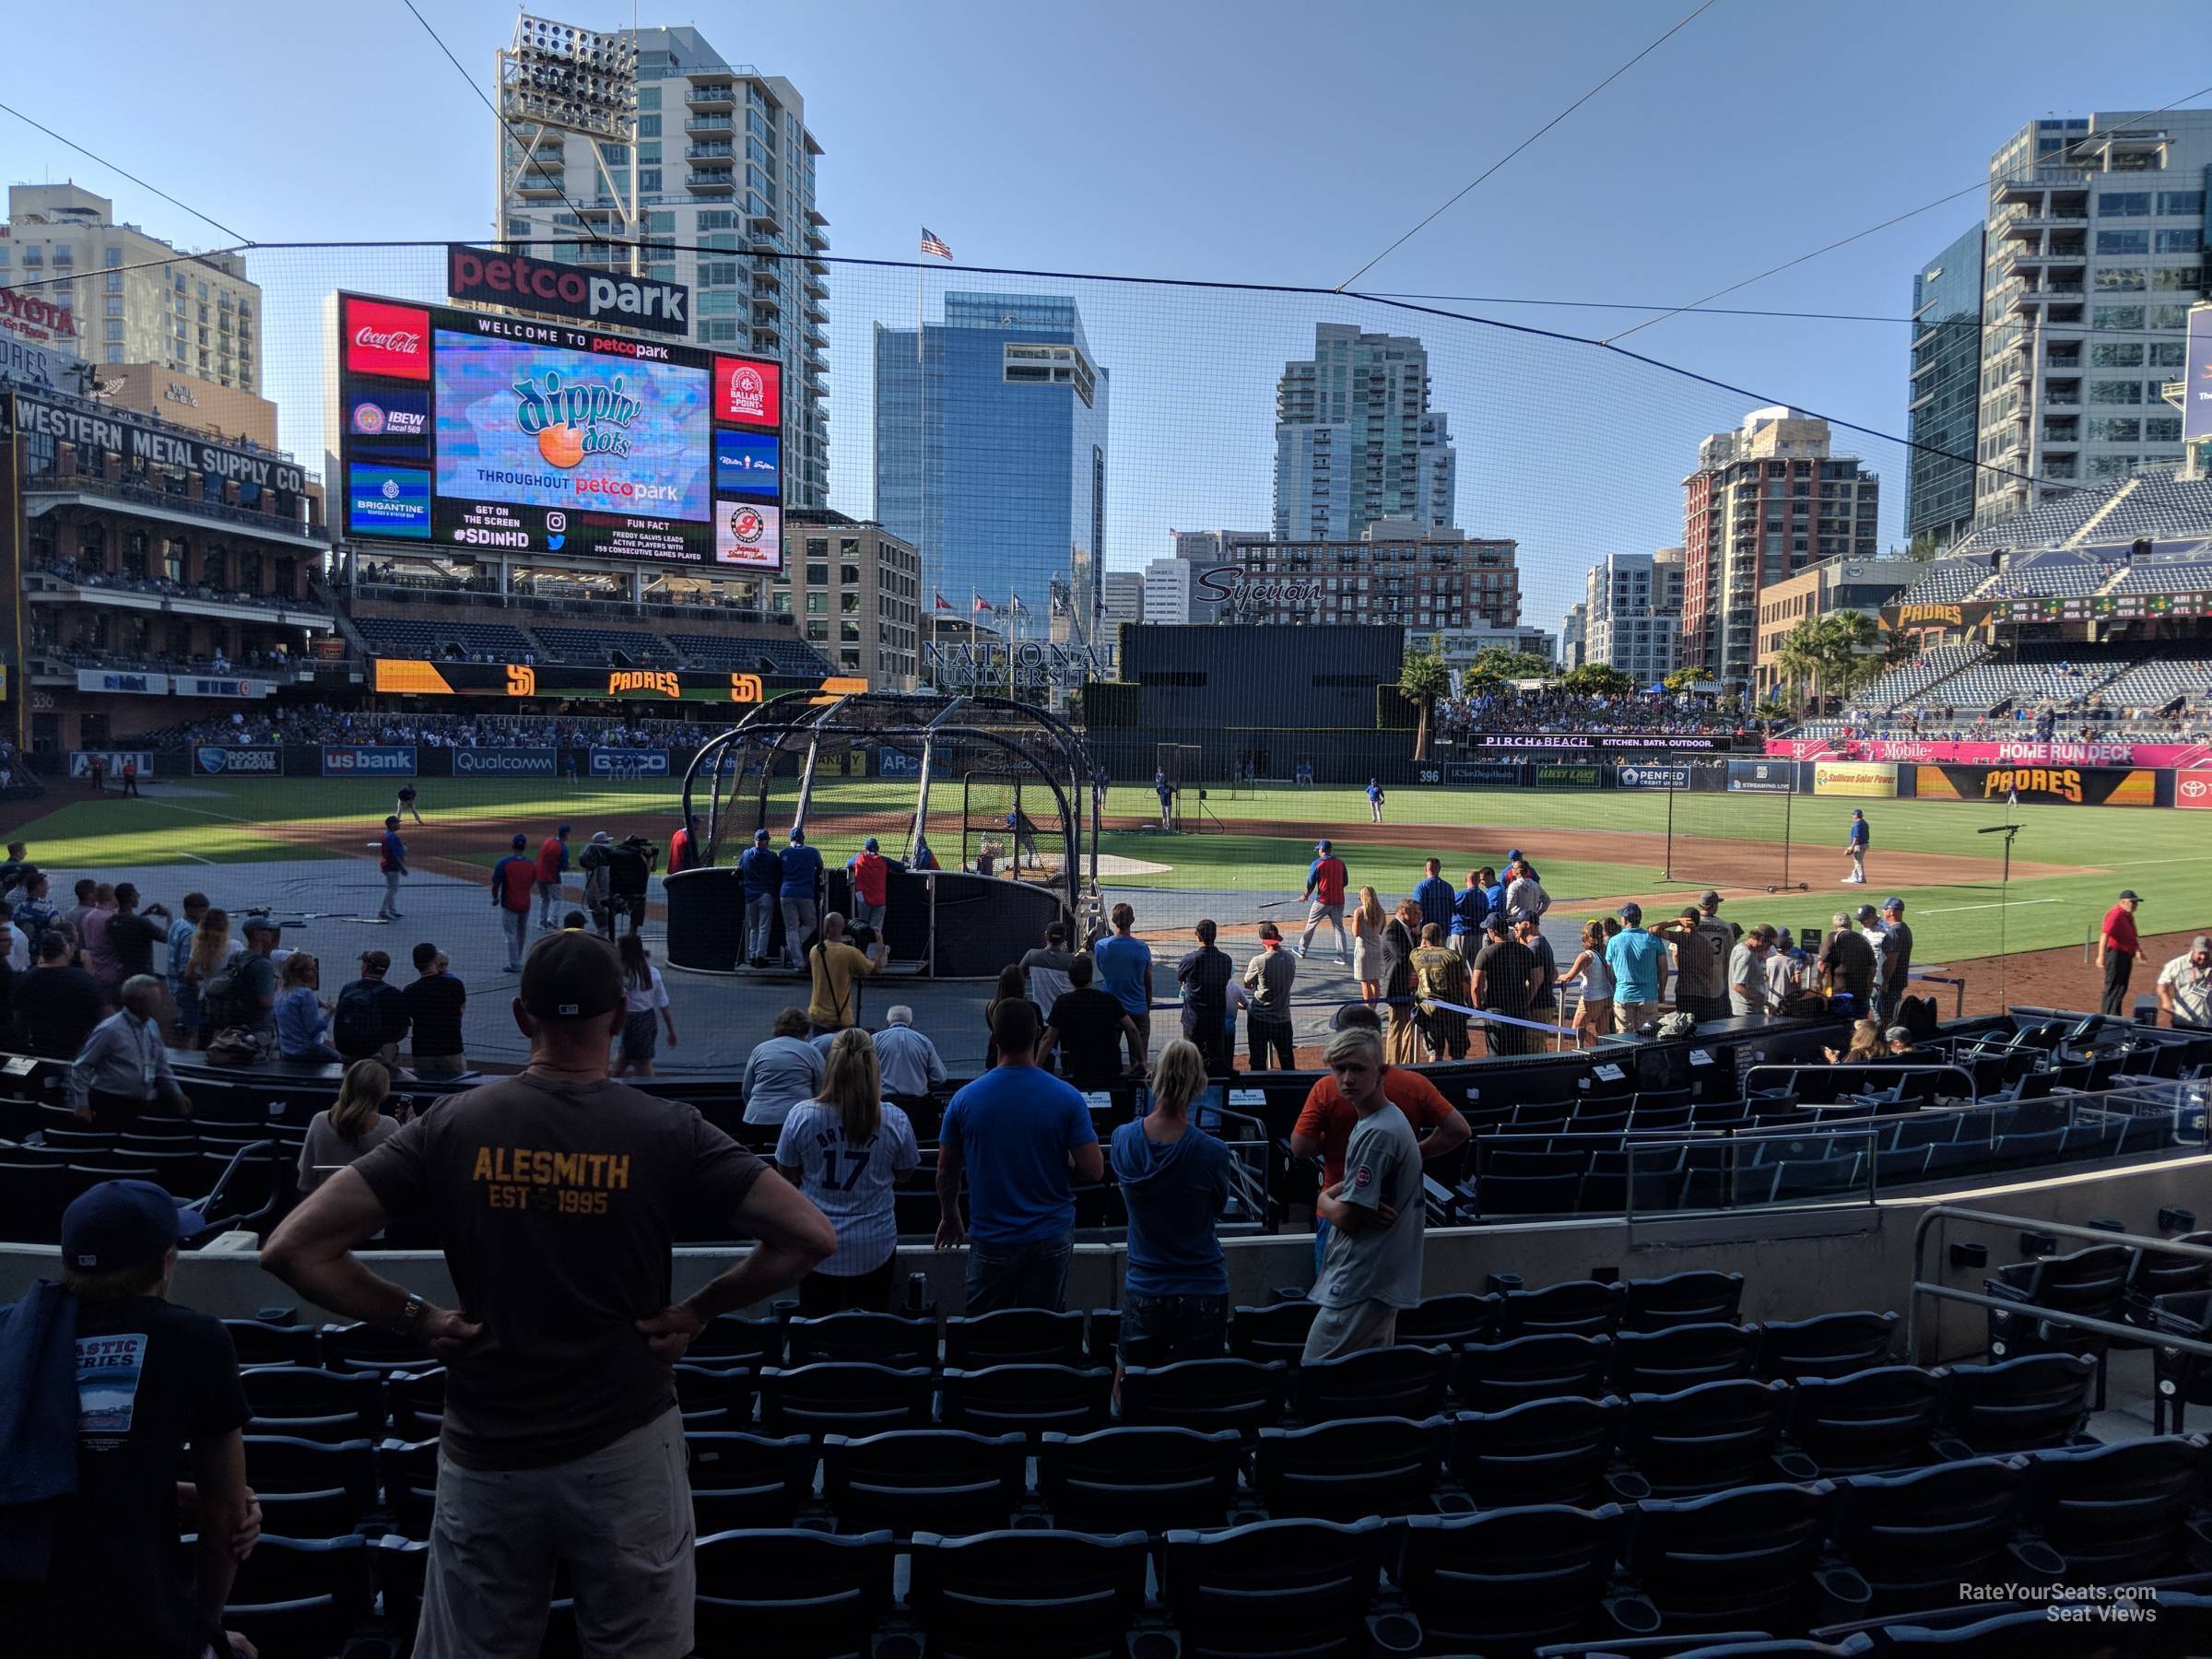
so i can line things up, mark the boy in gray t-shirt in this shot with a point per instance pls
(1371, 1265)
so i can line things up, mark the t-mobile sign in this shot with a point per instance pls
(486, 276)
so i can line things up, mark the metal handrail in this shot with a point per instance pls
(1858, 1068)
(1921, 1286)
(1872, 1149)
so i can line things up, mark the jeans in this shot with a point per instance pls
(1216, 1043)
(515, 927)
(389, 906)
(868, 915)
(1019, 1275)
(1264, 1034)
(822, 1293)
(619, 1518)
(799, 917)
(759, 925)
(1161, 1330)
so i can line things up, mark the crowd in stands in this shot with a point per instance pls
(321, 723)
(80, 575)
(246, 663)
(1556, 711)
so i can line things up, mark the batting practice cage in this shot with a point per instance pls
(983, 806)
(1728, 825)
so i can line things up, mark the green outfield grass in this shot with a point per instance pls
(2166, 854)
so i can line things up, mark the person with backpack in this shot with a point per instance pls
(371, 1014)
(513, 880)
(835, 965)
(243, 993)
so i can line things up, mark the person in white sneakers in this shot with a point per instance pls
(1854, 843)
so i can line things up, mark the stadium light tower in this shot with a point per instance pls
(555, 82)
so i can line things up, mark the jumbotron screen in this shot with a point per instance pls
(472, 430)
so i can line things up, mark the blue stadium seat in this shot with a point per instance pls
(1553, 1451)
(1028, 1399)
(911, 1480)
(1868, 1422)
(1354, 1466)
(832, 1398)
(1507, 1579)
(1149, 1478)
(1493, 1376)
(1027, 1595)
(1242, 1394)
(791, 1592)
(1303, 1588)
(1916, 1537)
(1678, 1357)
(748, 1480)
(1396, 1382)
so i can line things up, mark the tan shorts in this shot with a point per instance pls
(1634, 1016)
(1336, 1332)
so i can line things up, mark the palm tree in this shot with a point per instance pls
(1423, 681)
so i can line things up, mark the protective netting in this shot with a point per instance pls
(1731, 826)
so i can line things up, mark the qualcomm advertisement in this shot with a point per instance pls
(369, 760)
(505, 763)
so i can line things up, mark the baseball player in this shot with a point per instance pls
(1165, 791)
(1854, 844)
(392, 859)
(1325, 892)
(404, 803)
(1374, 801)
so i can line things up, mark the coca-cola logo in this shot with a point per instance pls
(392, 339)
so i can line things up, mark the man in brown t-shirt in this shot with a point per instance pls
(556, 1193)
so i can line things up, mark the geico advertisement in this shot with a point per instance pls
(539, 426)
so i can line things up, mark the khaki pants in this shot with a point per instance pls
(1633, 1015)
(619, 1518)
(1336, 1332)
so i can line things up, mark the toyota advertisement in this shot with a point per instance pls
(470, 430)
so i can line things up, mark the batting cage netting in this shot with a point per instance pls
(1729, 824)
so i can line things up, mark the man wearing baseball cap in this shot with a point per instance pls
(556, 1193)
(1639, 962)
(2117, 948)
(1895, 947)
(151, 1380)
(2185, 985)
(513, 880)
(761, 872)
(1326, 877)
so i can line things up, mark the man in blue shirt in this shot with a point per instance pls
(1434, 895)
(392, 859)
(1018, 1133)
(1374, 801)
(761, 872)
(1125, 964)
(181, 932)
(800, 894)
(1493, 888)
(1639, 962)
(1856, 846)
(1470, 908)
(1165, 791)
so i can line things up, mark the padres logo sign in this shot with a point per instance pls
(622, 681)
(522, 680)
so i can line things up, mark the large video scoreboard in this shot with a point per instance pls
(480, 431)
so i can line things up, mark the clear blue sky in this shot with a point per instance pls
(1279, 142)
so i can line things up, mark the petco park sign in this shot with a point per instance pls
(486, 276)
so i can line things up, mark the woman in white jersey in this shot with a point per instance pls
(845, 1150)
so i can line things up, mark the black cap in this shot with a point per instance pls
(123, 1223)
(520, 841)
(2130, 893)
(571, 976)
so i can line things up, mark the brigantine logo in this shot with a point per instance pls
(575, 420)
(663, 680)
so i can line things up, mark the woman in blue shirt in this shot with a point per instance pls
(845, 1150)
(1175, 1181)
(302, 1018)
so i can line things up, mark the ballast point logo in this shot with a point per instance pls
(388, 340)
(747, 393)
(577, 419)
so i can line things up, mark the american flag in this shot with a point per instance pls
(933, 244)
(983, 606)
(944, 603)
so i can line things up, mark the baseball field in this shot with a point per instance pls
(1594, 848)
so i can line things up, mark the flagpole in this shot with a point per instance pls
(921, 452)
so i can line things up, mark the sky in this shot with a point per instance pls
(1250, 143)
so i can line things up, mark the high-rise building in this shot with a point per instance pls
(1947, 392)
(723, 164)
(857, 592)
(134, 299)
(1167, 591)
(1632, 611)
(1355, 440)
(2094, 252)
(1574, 636)
(1121, 597)
(991, 446)
(1766, 500)
(1822, 590)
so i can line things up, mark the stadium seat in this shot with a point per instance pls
(1275, 1331)
(1027, 1595)
(1014, 1336)
(1743, 1560)
(301, 1597)
(1823, 1345)
(730, 1340)
(1705, 1438)
(1206, 1394)
(1302, 1588)
(312, 1403)
(1527, 1194)
(310, 1489)
(1147, 1479)
(1028, 1399)
(407, 1470)
(1693, 1298)
(1916, 1537)
(712, 1398)
(1507, 1579)
(1395, 1381)
(1493, 1376)
(791, 1592)
(866, 1338)
(33, 1193)
(834, 1398)
(264, 1342)
(1553, 1451)
(2016, 1633)
(1447, 1321)
(1354, 1466)
(2092, 1283)
(2041, 1400)
(1662, 1361)
(415, 1402)
(1574, 1307)
(365, 1348)
(2114, 1513)
(748, 1480)
(1868, 1422)
(923, 1478)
